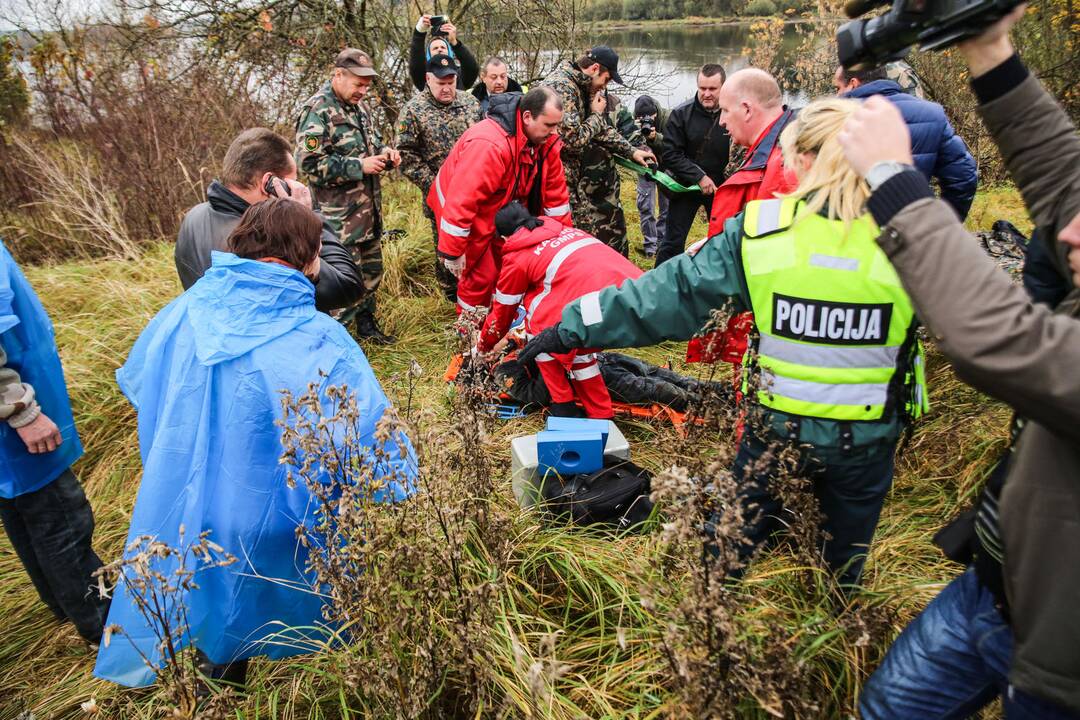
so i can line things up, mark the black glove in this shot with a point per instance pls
(548, 341)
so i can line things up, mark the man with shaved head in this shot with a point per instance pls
(753, 111)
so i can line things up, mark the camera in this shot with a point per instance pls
(865, 43)
(647, 123)
(437, 21)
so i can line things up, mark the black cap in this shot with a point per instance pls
(442, 66)
(608, 58)
(513, 217)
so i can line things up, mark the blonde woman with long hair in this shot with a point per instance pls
(836, 372)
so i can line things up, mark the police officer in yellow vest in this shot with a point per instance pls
(838, 370)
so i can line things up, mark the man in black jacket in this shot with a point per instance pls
(260, 162)
(696, 149)
(494, 80)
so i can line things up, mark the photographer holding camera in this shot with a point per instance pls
(1009, 625)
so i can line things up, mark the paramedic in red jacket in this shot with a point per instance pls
(545, 266)
(513, 154)
(753, 111)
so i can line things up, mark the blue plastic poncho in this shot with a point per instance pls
(205, 377)
(26, 334)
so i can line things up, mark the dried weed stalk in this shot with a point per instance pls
(412, 587)
(157, 578)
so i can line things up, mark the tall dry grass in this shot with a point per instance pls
(578, 625)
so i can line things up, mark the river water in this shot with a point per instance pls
(664, 61)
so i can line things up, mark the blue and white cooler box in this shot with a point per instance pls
(568, 446)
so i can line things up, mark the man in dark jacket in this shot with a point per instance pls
(938, 150)
(442, 41)
(257, 163)
(494, 80)
(652, 205)
(1008, 626)
(696, 149)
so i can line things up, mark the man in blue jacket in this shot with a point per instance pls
(45, 513)
(938, 150)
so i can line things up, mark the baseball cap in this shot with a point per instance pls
(608, 58)
(442, 66)
(357, 62)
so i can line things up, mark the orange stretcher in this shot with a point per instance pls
(638, 412)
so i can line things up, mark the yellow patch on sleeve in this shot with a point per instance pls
(311, 143)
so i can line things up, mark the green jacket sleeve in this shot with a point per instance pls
(672, 302)
(317, 158)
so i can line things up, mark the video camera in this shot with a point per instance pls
(930, 24)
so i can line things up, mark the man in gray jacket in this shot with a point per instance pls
(259, 164)
(1009, 626)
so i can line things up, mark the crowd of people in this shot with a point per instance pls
(826, 244)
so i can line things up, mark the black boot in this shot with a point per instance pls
(368, 329)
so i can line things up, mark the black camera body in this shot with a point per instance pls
(931, 24)
(648, 125)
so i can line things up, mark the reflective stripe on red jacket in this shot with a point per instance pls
(545, 269)
(492, 164)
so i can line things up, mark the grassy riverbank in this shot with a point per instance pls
(587, 611)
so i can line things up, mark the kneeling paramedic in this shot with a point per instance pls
(838, 368)
(546, 265)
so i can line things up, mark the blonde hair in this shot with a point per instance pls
(830, 182)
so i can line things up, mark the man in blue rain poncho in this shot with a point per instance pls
(206, 378)
(42, 505)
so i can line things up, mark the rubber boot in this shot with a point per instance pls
(368, 329)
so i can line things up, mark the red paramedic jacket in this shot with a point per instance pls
(491, 165)
(762, 176)
(546, 269)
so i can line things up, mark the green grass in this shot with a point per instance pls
(587, 588)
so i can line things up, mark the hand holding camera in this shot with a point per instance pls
(930, 24)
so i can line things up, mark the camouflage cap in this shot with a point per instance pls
(357, 62)
(442, 66)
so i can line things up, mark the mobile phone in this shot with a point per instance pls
(437, 21)
(270, 189)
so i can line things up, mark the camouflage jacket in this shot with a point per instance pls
(580, 126)
(332, 139)
(427, 131)
(620, 117)
(17, 404)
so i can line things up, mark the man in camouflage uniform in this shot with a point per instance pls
(600, 185)
(591, 136)
(343, 157)
(429, 125)
(905, 76)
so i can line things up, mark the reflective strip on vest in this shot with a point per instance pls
(464, 305)
(553, 268)
(831, 323)
(826, 356)
(858, 394)
(557, 210)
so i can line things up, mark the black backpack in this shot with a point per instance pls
(616, 496)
